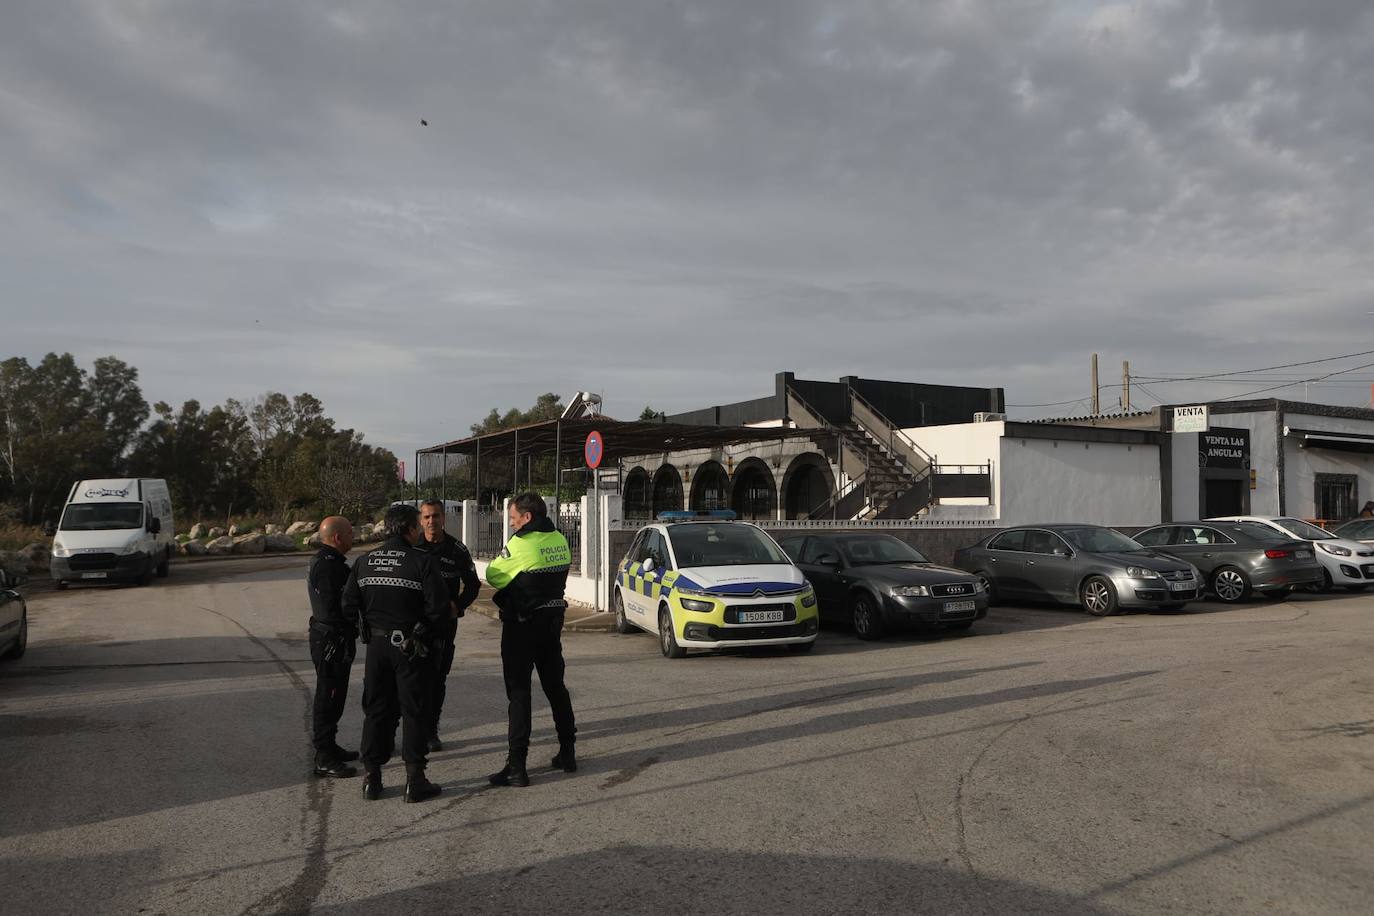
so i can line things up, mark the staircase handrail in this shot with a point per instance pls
(894, 433)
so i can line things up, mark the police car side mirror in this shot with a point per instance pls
(649, 564)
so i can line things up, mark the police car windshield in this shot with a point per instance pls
(102, 516)
(873, 551)
(728, 544)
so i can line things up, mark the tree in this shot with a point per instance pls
(648, 414)
(47, 430)
(547, 406)
(117, 407)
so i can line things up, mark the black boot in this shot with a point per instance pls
(372, 785)
(345, 756)
(328, 766)
(513, 773)
(566, 759)
(435, 745)
(418, 787)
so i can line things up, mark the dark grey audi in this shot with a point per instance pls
(878, 583)
(1098, 569)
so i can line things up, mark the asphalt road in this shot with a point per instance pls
(153, 759)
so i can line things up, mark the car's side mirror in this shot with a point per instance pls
(828, 560)
(648, 564)
(154, 525)
(1063, 552)
(49, 529)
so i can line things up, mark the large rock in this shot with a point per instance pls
(313, 540)
(270, 530)
(38, 555)
(301, 528)
(364, 534)
(197, 531)
(15, 563)
(279, 542)
(235, 530)
(250, 543)
(219, 546)
(215, 534)
(194, 548)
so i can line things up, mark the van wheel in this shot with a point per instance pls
(667, 639)
(1098, 597)
(21, 644)
(164, 567)
(622, 625)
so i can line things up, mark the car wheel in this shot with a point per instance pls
(867, 617)
(667, 639)
(1324, 586)
(1098, 597)
(622, 624)
(1230, 585)
(988, 588)
(21, 644)
(801, 648)
(164, 567)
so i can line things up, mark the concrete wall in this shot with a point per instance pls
(1046, 480)
(1303, 464)
(964, 443)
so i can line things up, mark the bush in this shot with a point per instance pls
(17, 536)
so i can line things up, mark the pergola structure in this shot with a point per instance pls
(565, 439)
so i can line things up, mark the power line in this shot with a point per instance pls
(1214, 375)
(1320, 378)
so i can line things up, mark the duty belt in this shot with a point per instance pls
(398, 638)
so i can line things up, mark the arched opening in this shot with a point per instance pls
(807, 484)
(710, 487)
(667, 490)
(753, 493)
(637, 497)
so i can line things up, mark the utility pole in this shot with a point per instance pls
(1097, 391)
(1126, 386)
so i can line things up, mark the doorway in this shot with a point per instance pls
(1224, 497)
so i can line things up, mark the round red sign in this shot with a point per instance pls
(594, 449)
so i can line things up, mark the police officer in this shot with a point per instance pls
(460, 575)
(402, 603)
(529, 578)
(333, 643)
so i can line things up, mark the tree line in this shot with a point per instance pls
(60, 422)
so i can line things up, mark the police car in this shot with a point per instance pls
(701, 580)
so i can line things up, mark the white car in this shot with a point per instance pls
(705, 581)
(1345, 562)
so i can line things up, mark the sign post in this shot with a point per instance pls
(1190, 419)
(594, 449)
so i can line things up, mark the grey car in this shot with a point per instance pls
(1096, 568)
(14, 616)
(1238, 558)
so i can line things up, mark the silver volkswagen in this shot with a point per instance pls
(1099, 569)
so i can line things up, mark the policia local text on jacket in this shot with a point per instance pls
(333, 644)
(400, 598)
(460, 576)
(530, 577)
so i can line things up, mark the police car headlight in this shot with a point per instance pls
(694, 604)
(911, 591)
(808, 598)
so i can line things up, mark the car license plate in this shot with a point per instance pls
(1303, 554)
(95, 575)
(1182, 586)
(955, 606)
(760, 616)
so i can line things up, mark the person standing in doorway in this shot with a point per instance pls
(460, 575)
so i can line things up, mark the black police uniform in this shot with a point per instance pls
(333, 644)
(460, 575)
(398, 593)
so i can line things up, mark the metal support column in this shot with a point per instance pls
(416, 472)
(557, 467)
(515, 468)
(443, 485)
(477, 475)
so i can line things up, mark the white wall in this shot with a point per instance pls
(1264, 460)
(965, 443)
(1303, 464)
(1045, 480)
(1187, 478)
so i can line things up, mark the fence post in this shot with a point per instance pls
(469, 537)
(505, 522)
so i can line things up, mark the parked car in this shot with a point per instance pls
(14, 617)
(1343, 561)
(1238, 558)
(1361, 529)
(706, 581)
(877, 582)
(1099, 569)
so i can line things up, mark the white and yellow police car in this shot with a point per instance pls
(701, 580)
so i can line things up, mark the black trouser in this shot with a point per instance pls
(331, 688)
(394, 687)
(535, 645)
(443, 664)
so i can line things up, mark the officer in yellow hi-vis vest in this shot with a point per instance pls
(529, 578)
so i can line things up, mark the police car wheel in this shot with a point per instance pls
(667, 639)
(622, 625)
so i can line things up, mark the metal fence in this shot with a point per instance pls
(488, 535)
(570, 523)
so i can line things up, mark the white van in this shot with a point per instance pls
(114, 529)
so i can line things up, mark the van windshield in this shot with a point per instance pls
(102, 516)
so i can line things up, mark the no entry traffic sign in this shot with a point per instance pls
(594, 449)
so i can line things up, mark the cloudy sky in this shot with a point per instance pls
(669, 201)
